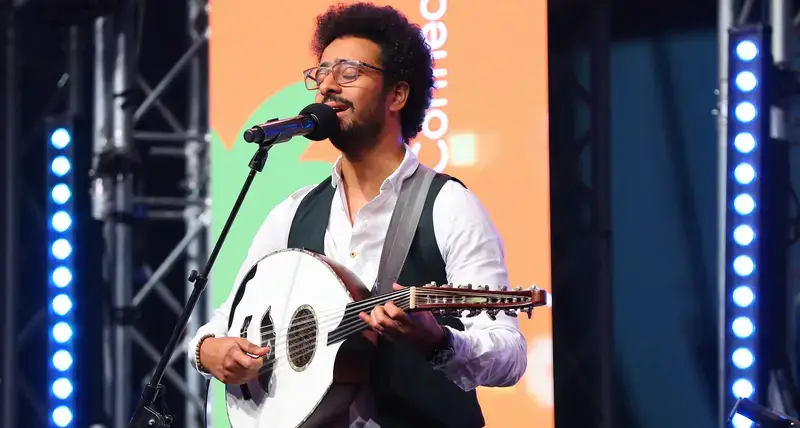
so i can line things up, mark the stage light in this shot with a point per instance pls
(61, 277)
(744, 204)
(61, 272)
(62, 332)
(744, 173)
(746, 81)
(744, 142)
(746, 50)
(62, 360)
(748, 127)
(743, 234)
(62, 304)
(742, 358)
(60, 138)
(62, 416)
(61, 193)
(745, 112)
(61, 221)
(60, 166)
(61, 249)
(742, 327)
(742, 388)
(743, 296)
(743, 265)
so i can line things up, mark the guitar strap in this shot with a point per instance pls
(402, 227)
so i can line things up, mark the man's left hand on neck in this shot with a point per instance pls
(419, 329)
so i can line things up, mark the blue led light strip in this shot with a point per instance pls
(748, 119)
(60, 268)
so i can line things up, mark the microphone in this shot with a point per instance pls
(315, 122)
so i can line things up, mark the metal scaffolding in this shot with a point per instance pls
(580, 44)
(117, 168)
(781, 16)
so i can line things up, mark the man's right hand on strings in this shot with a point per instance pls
(227, 359)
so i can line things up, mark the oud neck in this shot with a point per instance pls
(352, 323)
(401, 299)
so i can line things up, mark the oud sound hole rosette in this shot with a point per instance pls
(301, 338)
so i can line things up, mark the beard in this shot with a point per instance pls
(359, 134)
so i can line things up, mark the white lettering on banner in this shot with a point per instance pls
(436, 122)
(424, 9)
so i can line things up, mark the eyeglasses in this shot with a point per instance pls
(343, 72)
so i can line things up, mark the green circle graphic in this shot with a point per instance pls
(283, 174)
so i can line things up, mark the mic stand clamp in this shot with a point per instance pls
(146, 414)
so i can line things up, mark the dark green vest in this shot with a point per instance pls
(408, 392)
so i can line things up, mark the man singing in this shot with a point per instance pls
(375, 68)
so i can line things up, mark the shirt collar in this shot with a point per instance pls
(393, 181)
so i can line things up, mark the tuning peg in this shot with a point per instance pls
(473, 313)
(431, 284)
(518, 288)
(503, 288)
(468, 286)
(528, 310)
(511, 313)
(492, 313)
(455, 313)
(534, 288)
(437, 312)
(445, 286)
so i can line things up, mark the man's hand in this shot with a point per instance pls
(225, 358)
(419, 329)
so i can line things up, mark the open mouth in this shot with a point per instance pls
(338, 108)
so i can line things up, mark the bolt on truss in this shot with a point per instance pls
(580, 190)
(120, 137)
(783, 18)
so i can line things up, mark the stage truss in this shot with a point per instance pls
(580, 44)
(121, 144)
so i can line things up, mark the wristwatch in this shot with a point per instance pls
(444, 350)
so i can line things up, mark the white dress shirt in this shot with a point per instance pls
(487, 353)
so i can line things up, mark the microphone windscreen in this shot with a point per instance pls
(327, 122)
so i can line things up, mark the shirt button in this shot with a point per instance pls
(353, 254)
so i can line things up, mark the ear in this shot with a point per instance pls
(397, 96)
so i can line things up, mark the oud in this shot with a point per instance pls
(304, 307)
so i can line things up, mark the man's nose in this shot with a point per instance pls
(329, 85)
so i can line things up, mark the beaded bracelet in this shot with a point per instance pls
(197, 353)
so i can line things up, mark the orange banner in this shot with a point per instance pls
(488, 126)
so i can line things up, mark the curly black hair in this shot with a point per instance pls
(405, 55)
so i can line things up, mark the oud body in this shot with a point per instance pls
(304, 324)
(304, 307)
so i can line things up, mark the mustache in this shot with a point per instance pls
(329, 98)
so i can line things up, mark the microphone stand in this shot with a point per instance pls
(146, 415)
